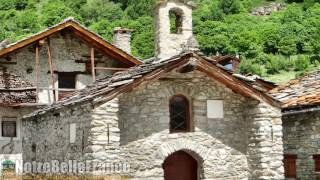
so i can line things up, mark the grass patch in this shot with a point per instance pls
(282, 78)
(258, 3)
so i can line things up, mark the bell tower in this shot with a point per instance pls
(173, 28)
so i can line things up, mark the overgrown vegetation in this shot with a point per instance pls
(285, 41)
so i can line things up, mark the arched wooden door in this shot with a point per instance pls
(180, 166)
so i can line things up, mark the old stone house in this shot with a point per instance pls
(179, 115)
(42, 69)
(301, 121)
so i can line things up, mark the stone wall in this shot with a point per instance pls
(301, 137)
(265, 145)
(47, 137)
(219, 145)
(104, 139)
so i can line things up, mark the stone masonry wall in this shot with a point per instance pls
(104, 139)
(265, 148)
(47, 137)
(302, 137)
(219, 145)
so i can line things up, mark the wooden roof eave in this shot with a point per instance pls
(235, 84)
(25, 42)
(88, 36)
(107, 47)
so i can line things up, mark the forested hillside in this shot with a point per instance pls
(278, 46)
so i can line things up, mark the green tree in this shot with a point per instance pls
(96, 10)
(139, 8)
(55, 11)
(230, 6)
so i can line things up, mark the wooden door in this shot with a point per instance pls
(180, 166)
(289, 163)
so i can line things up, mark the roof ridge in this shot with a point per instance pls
(5, 50)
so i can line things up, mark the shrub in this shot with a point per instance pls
(248, 66)
(278, 63)
(302, 63)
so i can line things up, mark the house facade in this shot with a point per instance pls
(301, 119)
(42, 69)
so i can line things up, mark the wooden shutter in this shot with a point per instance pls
(316, 162)
(290, 165)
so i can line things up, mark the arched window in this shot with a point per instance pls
(175, 21)
(179, 114)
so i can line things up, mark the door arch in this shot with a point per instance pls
(180, 166)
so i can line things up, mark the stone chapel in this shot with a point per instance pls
(69, 96)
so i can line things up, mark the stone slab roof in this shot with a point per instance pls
(106, 89)
(15, 90)
(299, 93)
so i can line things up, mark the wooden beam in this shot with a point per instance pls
(93, 72)
(57, 89)
(86, 61)
(51, 69)
(23, 104)
(35, 88)
(37, 72)
(7, 62)
(19, 89)
(111, 69)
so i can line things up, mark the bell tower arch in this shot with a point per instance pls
(173, 28)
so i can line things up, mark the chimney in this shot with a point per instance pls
(122, 38)
(171, 41)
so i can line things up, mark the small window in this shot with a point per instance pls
(9, 127)
(290, 165)
(316, 159)
(176, 19)
(179, 114)
(66, 81)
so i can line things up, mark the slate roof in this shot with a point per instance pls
(108, 88)
(10, 92)
(299, 93)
